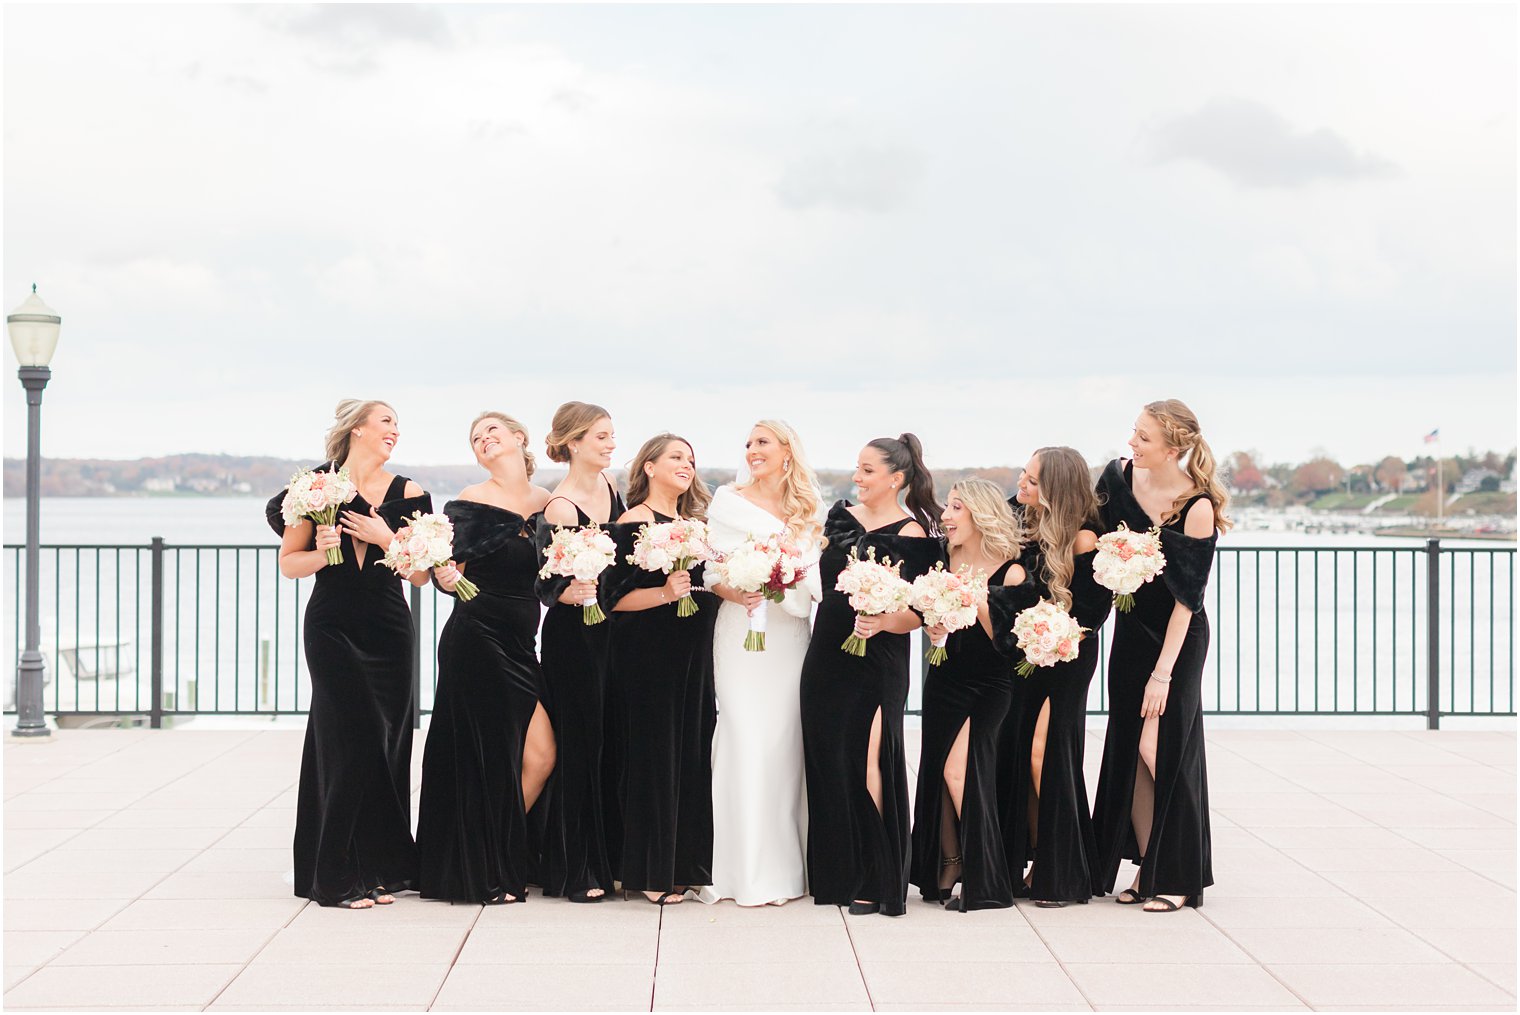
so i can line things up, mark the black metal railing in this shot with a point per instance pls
(165, 630)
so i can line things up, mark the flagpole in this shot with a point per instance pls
(1440, 485)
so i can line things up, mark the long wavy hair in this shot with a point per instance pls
(800, 500)
(906, 455)
(350, 413)
(1180, 430)
(693, 502)
(1067, 502)
(993, 518)
(511, 424)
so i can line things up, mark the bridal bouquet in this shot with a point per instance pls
(672, 546)
(1047, 635)
(874, 588)
(750, 567)
(787, 571)
(948, 599)
(426, 541)
(318, 495)
(581, 554)
(1127, 560)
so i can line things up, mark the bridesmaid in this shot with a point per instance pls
(1044, 793)
(852, 706)
(1152, 804)
(662, 672)
(353, 840)
(490, 746)
(956, 833)
(576, 864)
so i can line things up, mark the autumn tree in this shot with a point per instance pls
(1391, 473)
(1318, 475)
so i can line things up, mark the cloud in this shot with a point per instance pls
(1255, 146)
(363, 24)
(871, 178)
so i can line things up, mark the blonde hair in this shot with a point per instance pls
(1180, 430)
(991, 515)
(351, 412)
(800, 500)
(1067, 501)
(692, 503)
(511, 424)
(571, 421)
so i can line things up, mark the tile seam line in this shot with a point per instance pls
(454, 961)
(860, 969)
(1060, 962)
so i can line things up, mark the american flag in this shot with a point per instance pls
(1433, 436)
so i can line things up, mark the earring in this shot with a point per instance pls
(786, 466)
(575, 451)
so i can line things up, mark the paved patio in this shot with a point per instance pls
(148, 870)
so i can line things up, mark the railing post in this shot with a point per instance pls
(156, 657)
(416, 603)
(1433, 634)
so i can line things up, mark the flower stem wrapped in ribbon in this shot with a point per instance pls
(672, 546)
(875, 588)
(769, 566)
(1127, 560)
(317, 495)
(949, 599)
(582, 554)
(426, 541)
(1047, 635)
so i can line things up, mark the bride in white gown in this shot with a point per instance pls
(759, 797)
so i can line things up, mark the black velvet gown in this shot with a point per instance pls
(353, 806)
(575, 657)
(661, 673)
(976, 682)
(854, 852)
(1178, 858)
(1062, 845)
(472, 832)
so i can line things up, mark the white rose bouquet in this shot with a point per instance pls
(426, 541)
(1127, 560)
(672, 546)
(748, 568)
(318, 495)
(949, 599)
(582, 554)
(874, 588)
(1047, 635)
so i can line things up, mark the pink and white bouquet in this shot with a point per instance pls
(874, 588)
(318, 495)
(949, 599)
(749, 567)
(582, 554)
(1047, 635)
(426, 541)
(672, 546)
(1127, 560)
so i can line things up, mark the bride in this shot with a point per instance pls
(759, 800)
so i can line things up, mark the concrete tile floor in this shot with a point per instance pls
(1356, 871)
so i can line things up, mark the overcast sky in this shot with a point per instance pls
(1000, 227)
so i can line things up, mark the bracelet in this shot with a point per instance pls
(1161, 678)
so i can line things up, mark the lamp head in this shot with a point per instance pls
(33, 327)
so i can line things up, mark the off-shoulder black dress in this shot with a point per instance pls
(353, 806)
(575, 656)
(854, 852)
(472, 832)
(661, 673)
(1061, 843)
(1178, 858)
(975, 684)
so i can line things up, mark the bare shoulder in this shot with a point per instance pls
(637, 513)
(474, 493)
(914, 530)
(560, 511)
(1199, 520)
(413, 489)
(537, 497)
(1087, 541)
(1014, 575)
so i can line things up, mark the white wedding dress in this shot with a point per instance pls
(759, 796)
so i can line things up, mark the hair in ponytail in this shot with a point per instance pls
(1179, 427)
(1067, 502)
(905, 454)
(350, 413)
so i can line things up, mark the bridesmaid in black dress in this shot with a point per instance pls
(662, 673)
(1152, 804)
(490, 747)
(575, 854)
(1046, 819)
(852, 706)
(353, 840)
(967, 698)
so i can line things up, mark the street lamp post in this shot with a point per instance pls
(33, 329)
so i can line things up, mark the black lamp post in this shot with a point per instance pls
(34, 335)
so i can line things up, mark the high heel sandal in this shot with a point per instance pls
(584, 897)
(379, 896)
(1163, 904)
(504, 899)
(947, 891)
(858, 908)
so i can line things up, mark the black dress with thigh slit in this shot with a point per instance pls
(1061, 842)
(472, 832)
(1178, 857)
(353, 806)
(661, 672)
